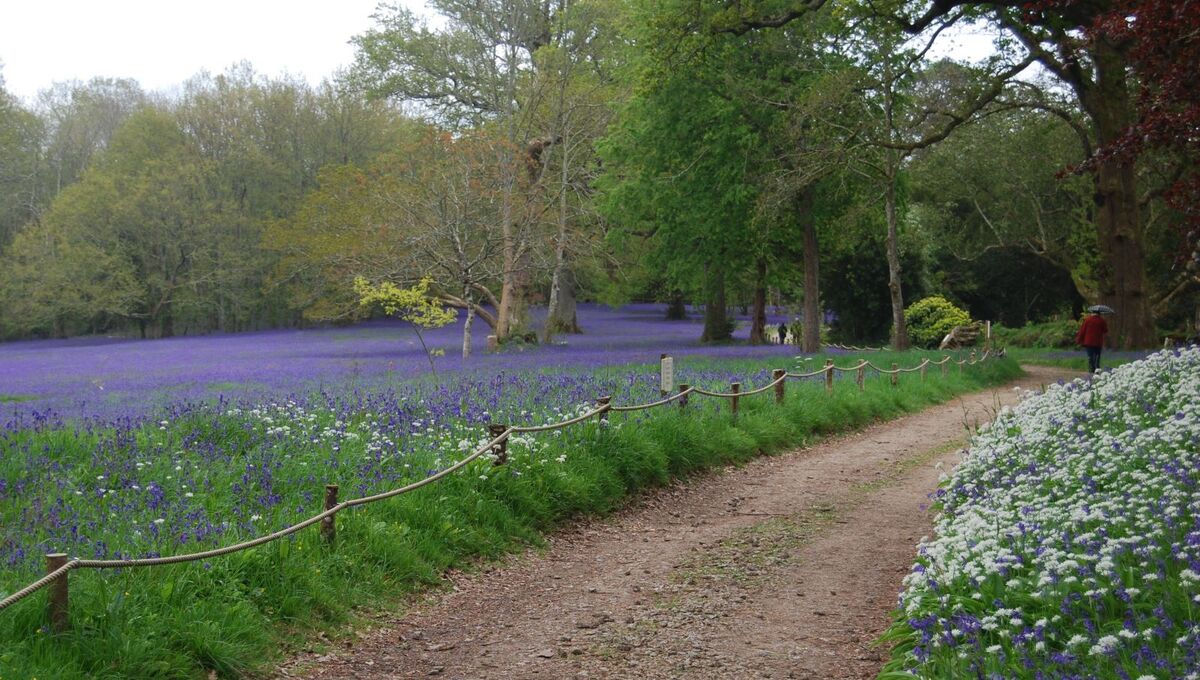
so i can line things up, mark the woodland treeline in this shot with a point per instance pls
(521, 152)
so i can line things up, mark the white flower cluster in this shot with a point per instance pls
(1081, 506)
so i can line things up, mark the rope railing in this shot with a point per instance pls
(855, 348)
(641, 407)
(730, 395)
(59, 565)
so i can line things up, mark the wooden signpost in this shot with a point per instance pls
(667, 373)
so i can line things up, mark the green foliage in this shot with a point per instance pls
(1059, 334)
(930, 319)
(414, 305)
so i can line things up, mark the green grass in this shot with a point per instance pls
(232, 615)
(10, 398)
(1070, 359)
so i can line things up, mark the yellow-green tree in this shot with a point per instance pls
(414, 305)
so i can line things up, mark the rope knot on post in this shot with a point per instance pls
(605, 405)
(329, 524)
(59, 593)
(500, 450)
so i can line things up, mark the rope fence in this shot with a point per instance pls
(59, 565)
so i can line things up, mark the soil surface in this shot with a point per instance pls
(786, 567)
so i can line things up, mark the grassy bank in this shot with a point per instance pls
(206, 476)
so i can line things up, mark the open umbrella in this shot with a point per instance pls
(1101, 309)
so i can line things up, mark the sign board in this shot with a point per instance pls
(668, 374)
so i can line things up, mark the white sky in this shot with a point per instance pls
(162, 43)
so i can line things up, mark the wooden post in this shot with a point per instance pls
(733, 401)
(604, 403)
(945, 365)
(923, 367)
(329, 525)
(683, 387)
(829, 376)
(860, 377)
(501, 449)
(59, 593)
(779, 386)
(493, 343)
(895, 376)
(661, 391)
(972, 356)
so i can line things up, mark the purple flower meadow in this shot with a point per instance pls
(109, 378)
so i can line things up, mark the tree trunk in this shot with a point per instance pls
(166, 323)
(1122, 275)
(758, 315)
(899, 328)
(677, 307)
(466, 340)
(716, 322)
(562, 316)
(811, 343)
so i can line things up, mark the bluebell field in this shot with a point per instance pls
(1069, 540)
(128, 448)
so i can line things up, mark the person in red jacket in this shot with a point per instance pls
(1091, 337)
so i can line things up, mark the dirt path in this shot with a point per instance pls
(784, 568)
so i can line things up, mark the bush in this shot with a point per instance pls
(1059, 334)
(930, 319)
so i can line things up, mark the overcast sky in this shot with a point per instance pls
(161, 43)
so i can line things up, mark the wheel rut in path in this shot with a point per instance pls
(786, 567)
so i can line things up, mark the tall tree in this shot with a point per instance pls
(21, 137)
(474, 70)
(1095, 65)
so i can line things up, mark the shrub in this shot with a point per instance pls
(930, 319)
(1046, 334)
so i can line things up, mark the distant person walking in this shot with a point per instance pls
(1091, 335)
(783, 333)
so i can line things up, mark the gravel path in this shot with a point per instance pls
(786, 567)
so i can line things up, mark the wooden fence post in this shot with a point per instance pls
(329, 524)
(733, 401)
(501, 449)
(860, 377)
(829, 376)
(59, 593)
(973, 356)
(895, 375)
(683, 388)
(777, 374)
(945, 365)
(493, 343)
(923, 367)
(661, 391)
(604, 403)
